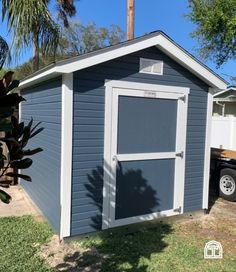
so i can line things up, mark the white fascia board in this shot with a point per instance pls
(161, 41)
(224, 91)
(73, 65)
(45, 75)
(219, 93)
(176, 53)
(225, 100)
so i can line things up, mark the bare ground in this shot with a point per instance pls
(70, 256)
(219, 224)
(20, 205)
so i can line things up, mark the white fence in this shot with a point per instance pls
(223, 134)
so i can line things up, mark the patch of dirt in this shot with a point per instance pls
(219, 225)
(70, 256)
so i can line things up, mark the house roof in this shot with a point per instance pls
(230, 88)
(158, 39)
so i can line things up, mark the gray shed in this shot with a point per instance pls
(126, 138)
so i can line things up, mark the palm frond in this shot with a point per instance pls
(28, 19)
(3, 51)
(66, 8)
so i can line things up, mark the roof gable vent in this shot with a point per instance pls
(150, 66)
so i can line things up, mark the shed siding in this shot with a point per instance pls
(88, 132)
(43, 104)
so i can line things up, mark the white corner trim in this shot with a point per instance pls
(207, 150)
(20, 108)
(107, 157)
(66, 154)
(160, 40)
(19, 118)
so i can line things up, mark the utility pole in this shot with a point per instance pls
(130, 19)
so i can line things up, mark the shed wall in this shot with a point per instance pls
(43, 104)
(88, 132)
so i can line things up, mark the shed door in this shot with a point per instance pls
(146, 155)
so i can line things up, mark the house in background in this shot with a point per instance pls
(224, 119)
(224, 102)
(126, 135)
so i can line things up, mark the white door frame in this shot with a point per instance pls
(113, 89)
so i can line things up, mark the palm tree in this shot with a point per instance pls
(33, 25)
(65, 8)
(3, 51)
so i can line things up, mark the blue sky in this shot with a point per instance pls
(150, 15)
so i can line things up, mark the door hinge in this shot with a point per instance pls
(114, 158)
(178, 209)
(181, 155)
(116, 161)
(183, 98)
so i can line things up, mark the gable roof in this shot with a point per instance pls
(158, 39)
(231, 88)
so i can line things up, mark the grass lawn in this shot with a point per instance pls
(162, 247)
(19, 239)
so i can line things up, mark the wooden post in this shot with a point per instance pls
(130, 20)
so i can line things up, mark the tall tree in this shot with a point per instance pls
(216, 28)
(3, 51)
(79, 39)
(32, 25)
(76, 39)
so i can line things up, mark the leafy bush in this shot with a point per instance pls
(14, 136)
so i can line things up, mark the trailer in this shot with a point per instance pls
(223, 172)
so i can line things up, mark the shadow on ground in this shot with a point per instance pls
(128, 248)
(124, 249)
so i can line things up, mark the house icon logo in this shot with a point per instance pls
(213, 250)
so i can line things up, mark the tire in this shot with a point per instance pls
(227, 184)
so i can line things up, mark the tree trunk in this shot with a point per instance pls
(36, 53)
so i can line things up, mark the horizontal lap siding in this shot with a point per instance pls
(88, 132)
(43, 104)
(87, 161)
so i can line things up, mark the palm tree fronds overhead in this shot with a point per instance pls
(3, 51)
(66, 8)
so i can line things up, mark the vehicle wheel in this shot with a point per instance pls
(227, 184)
